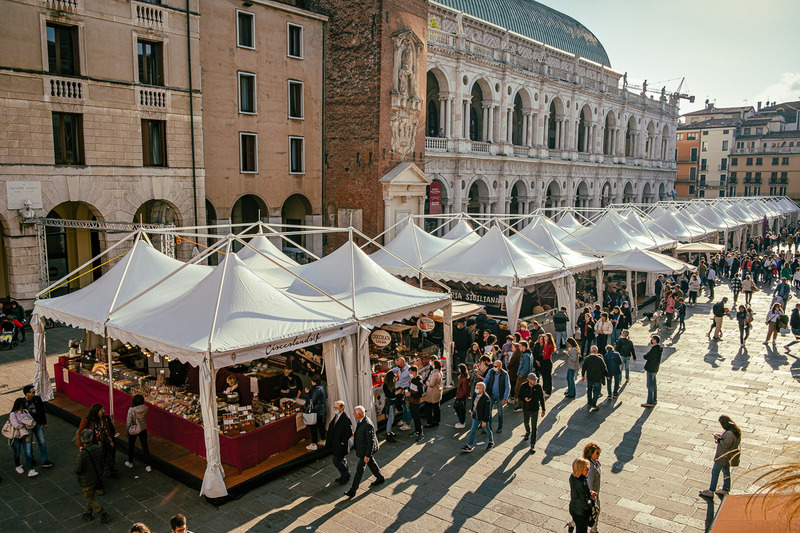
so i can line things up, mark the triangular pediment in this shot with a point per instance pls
(406, 174)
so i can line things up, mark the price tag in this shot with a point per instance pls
(254, 385)
(65, 373)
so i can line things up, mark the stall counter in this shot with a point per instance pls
(243, 451)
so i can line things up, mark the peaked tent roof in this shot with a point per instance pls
(494, 260)
(140, 268)
(550, 249)
(253, 319)
(672, 226)
(709, 216)
(644, 261)
(413, 245)
(462, 229)
(635, 225)
(260, 242)
(570, 224)
(353, 278)
(608, 236)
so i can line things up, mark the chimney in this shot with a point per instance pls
(758, 106)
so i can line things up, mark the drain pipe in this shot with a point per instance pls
(191, 111)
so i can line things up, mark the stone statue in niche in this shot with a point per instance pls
(406, 103)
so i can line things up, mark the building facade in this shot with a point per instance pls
(101, 124)
(687, 155)
(514, 123)
(262, 65)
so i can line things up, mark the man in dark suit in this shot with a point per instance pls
(339, 432)
(366, 445)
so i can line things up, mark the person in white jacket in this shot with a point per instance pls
(136, 427)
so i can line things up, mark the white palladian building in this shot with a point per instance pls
(523, 111)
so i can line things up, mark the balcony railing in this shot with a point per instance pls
(522, 151)
(441, 37)
(66, 88)
(436, 144)
(480, 147)
(149, 15)
(70, 6)
(775, 150)
(152, 98)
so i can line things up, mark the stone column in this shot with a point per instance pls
(448, 125)
(465, 120)
(510, 126)
(485, 122)
(442, 114)
(544, 130)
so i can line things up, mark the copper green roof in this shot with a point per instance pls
(536, 21)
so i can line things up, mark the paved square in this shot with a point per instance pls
(654, 460)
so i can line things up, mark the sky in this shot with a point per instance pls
(732, 52)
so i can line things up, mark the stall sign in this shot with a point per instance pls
(425, 323)
(381, 338)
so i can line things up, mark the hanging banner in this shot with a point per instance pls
(435, 199)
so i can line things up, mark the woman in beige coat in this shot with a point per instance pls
(434, 395)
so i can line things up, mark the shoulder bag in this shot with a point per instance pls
(136, 427)
(10, 432)
(309, 417)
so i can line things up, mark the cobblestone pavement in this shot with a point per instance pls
(654, 460)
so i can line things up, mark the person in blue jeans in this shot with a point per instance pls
(592, 372)
(498, 387)
(726, 456)
(653, 358)
(573, 366)
(481, 414)
(613, 363)
(624, 347)
(403, 381)
(35, 406)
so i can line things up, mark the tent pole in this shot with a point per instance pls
(110, 376)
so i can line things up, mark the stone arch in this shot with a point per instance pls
(583, 198)
(294, 211)
(436, 93)
(248, 208)
(647, 193)
(662, 192)
(606, 194)
(554, 125)
(157, 211)
(650, 140)
(665, 137)
(554, 196)
(518, 197)
(631, 132)
(628, 196)
(480, 99)
(609, 139)
(584, 129)
(69, 248)
(478, 196)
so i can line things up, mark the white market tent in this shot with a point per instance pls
(699, 247)
(635, 225)
(571, 224)
(260, 246)
(231, 315)
(643, 261)
(608, 236)
(669, 225)
(411, 248)
(462, 232)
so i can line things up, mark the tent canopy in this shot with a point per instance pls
(644, 261)
(699, 247)
(608, 236)
(139, 269)
(538, 240)
(493, 260)
(413, 245)
(261, 243)
(462, 232)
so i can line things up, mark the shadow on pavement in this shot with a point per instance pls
(580, 426)
(630, 440)
(742, 359)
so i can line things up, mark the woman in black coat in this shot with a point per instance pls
(580, 497)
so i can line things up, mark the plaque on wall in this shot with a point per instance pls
(18, 192)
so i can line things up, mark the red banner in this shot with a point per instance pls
(435, 199)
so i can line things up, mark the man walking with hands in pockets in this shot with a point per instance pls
(366, 444)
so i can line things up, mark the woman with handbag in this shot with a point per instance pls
(102, 433)
(390, 396)
(727, 455)
(136, 427)
(22, 422)
(581, 498)
(317, 405)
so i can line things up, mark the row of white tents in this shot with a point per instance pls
(258, 302)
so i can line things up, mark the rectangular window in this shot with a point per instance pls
(740, 145)
(724, 146)
(749, 162)
(703, 164)
(702, 180)
(692, 173)
(693, 157)
(722, 179)
(154, 143)
(245, 29)
(747, 191)
(704, 147)
(734, 161)
(733, 176)
(295, 40)
(68, 138)
(775, 160)
(756, 191)
(702, 193)
(705, 133)
(759, 161)
(151, 67)
(691, 136)
(691, 189)
(785, 161)
(62, 50)
(247, 93)
(747, 131)
(248, 152)
(723, 163)
(680, 136)
(725, 132)
(759, 131)
(748, 175)
(296, 103)
(772, 191)
(782, 191)
(722, 193)
(773, 175)
(731, 191)
(297, 155)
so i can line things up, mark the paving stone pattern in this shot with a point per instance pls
(654, 460)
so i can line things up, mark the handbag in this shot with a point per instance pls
(135, 427)
(309, 418)
(11, 432)
(594, 512)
